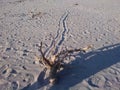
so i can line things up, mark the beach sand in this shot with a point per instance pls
(71, 24)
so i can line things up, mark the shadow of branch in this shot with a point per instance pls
(92, 63)
(41, 81)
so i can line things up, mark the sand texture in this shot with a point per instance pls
(72, 24)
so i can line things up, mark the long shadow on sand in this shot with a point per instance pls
(91, 63)
(41, 81)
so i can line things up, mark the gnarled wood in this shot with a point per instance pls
(55, 62)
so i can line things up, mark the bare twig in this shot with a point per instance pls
(45, 61)
(55, 62)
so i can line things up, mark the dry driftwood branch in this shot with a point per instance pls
(45, 61)
(55, 62)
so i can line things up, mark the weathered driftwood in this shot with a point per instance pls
(55, 62)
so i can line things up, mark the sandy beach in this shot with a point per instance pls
(70, 24)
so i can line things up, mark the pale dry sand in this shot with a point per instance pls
(73, 24)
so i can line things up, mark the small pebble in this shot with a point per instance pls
(24, 54)
(8, 49)
(36, 62)
(24, 67)
(26, 50)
